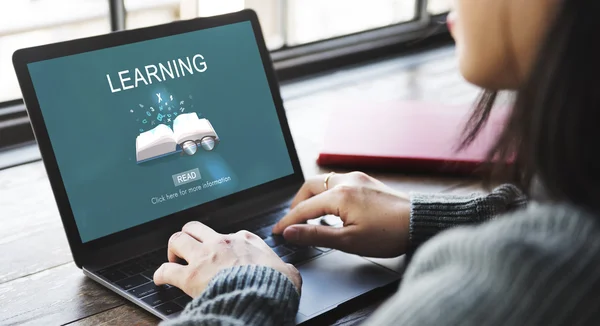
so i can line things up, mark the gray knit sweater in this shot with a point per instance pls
(537, 265)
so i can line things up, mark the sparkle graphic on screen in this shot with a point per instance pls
(160, 112)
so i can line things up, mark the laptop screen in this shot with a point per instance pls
(144, 130)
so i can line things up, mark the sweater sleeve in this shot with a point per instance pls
(243, 295)
(433, 213)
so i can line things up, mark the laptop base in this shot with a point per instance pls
(336, 278)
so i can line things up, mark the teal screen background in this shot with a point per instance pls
(93, 130)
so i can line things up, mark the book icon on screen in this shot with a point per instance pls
(188, 134)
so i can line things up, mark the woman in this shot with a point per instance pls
(534, 265)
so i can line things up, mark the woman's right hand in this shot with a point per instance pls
(376, 218)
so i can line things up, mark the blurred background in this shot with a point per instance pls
(287, 24)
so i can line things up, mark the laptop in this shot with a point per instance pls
(144, 130)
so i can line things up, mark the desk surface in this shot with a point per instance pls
(40, 285)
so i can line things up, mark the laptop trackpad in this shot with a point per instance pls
(337, 278)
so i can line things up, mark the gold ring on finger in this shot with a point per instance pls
(326, 181)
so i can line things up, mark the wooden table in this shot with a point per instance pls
(40, 285)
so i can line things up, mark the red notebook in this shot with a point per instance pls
(405, 136)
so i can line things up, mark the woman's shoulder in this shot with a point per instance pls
(547, 223)
(528, 263)
(540, 224)
(541, 229)
(545, 218)
(535, 266)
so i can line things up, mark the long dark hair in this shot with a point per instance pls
(553, 132)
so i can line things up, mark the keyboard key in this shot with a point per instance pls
(149, 274)
(132, 269)
(277, 215)
(281, 251)
(264, 232)
(324, 249)
(157, 260)
(132, 282)
(274, 241)
(144, 290)
(155, 265)
(183, 300)
(168, 308)
(295, 248)
(113, 275)
(301, 256)
(145, 265)
(163, 296)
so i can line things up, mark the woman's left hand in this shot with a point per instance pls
(208, 252)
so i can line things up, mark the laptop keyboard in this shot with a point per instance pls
(135, 276)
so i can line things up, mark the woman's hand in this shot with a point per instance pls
(207, 252)
(376, 218)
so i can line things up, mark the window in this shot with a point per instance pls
(35, 22)
(285, 23)
(340, 17)
(142, 13)
(436, 7)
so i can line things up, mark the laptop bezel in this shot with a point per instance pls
(84, 252)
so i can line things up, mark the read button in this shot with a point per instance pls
(186, 177)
